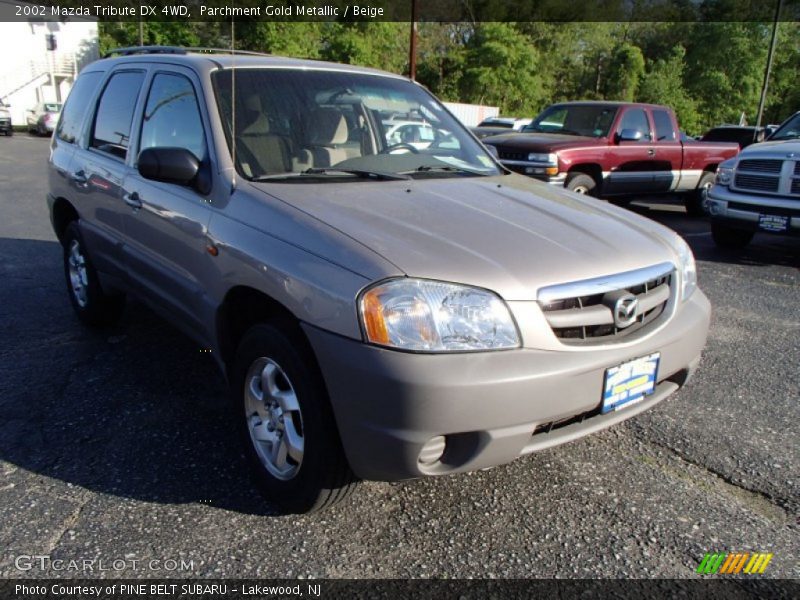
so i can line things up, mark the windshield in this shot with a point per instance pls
(328, 125)
(52, 107)
(789, 130)
(585, 120)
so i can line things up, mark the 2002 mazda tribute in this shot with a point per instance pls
(382, 310)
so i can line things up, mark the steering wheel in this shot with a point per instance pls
(401, 146)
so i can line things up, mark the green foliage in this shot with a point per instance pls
(663, 84)
(625, 69)
(501, 68)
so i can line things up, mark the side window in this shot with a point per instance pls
(69, 126)
(112, 123)
(636, 118)
(664, 131)
(172, 116)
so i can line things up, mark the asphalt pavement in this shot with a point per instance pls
(115, 447)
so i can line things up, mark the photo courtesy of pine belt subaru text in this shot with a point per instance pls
(385, 299)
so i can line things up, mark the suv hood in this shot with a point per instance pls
(772, 149)
(510, 234)
(542, 142)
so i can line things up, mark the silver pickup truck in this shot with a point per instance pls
(380, 310)
(759, 190)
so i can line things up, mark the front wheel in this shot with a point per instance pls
(730, 238)
(694, 200)
(92, 305)
(286, 422)
(581, 183)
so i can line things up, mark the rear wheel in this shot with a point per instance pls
(694, 200)
(286, 422)
(730, 238)
(581, 183)
(92, 305)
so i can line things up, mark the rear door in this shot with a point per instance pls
(633, 171)
(668, 151)
(97, 170)
(166, 224)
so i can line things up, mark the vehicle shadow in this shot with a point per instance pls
(764, 250)
(137, 411)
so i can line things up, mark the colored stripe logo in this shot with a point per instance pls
(732, 563)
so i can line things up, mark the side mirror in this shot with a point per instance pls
(629, 135)
(492, 150)
(170, 165)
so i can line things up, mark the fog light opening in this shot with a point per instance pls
(432, 451)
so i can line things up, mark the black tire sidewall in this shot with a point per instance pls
(100, 309)
(581, 179)
(323, 456)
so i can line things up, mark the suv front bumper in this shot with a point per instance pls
(487, 405)
(742, 211)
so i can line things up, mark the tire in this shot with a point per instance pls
(730, 238)
(92, 305)
(693, 201)
(581, 183)
(290, 436)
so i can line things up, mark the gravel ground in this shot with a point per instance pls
(116, 446)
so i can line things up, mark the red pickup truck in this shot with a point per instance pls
(613, 149)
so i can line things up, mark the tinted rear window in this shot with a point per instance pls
(664, 131)
(75, 108)
(112, 125)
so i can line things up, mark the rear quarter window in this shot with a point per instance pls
(69, 127)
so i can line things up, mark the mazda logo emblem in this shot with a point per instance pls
(625, 309)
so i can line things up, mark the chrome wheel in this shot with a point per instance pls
(274, 420)
(78, 277)
(580, 189)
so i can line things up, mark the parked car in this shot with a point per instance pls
(739, 134)
(378, 314)
(5, 120)
(759, 190)
(613, 149)
(43, 117)
(418, 134)
(498, 125)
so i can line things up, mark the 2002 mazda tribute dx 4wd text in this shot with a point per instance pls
(381, 310)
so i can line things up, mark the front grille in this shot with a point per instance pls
(583, 312)
(761, 166)
(796, 186)
(506, 155)
(759, 183)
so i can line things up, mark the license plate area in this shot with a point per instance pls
(773, 222)
(629, 382)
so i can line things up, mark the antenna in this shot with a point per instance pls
(233, 103)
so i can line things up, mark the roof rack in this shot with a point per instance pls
(133, 50)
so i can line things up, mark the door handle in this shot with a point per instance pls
(651, 152)
(133, 200)
(79, 177)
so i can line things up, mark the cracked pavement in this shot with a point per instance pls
(117, 446)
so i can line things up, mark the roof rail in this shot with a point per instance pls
(132, 50)
(145, 50)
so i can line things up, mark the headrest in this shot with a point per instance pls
(327, 126)
(260, 123)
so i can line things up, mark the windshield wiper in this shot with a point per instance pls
(366, 174)
(445, 169)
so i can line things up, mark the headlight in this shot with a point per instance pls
(432, 316)
(725, 172)
(687, 267)
(550, 159)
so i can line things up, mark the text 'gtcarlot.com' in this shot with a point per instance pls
(43, 562)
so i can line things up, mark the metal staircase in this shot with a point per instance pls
(38, 71)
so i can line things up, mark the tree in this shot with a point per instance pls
(663, 84)
(501, 68)
(625, 69)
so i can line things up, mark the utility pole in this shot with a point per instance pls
(141, 31)
(412, 51)
(763, 99)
